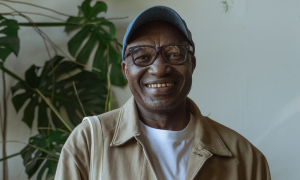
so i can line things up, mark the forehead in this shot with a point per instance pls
(157, 33)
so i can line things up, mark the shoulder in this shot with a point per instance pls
(80, 140)
(109, 121)
(74, 158)
(80, 136)
(251, 162)
(238, 145)
(82, 133)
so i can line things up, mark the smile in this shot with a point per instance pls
(160, 85)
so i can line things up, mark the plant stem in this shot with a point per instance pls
(79, 99)
(108, 105)
(39, 148)
(12, 74)
(59, 129)
(67, 23)
(24, 12)
(19, 2)
(7, 157)
(5, 167)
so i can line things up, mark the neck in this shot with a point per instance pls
(172, 119)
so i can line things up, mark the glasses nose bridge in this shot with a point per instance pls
(157, 50)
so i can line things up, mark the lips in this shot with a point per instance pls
(159, 85)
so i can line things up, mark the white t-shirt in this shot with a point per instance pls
(169, 151)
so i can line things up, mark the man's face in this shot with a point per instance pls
(175, 81)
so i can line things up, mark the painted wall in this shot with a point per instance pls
(247, 75)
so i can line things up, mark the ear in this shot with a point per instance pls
(124, 68)
(193, 63)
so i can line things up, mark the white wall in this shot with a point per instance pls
(247, 75)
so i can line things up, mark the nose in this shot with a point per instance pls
(159, 67)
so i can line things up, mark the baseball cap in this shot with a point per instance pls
(157, 13)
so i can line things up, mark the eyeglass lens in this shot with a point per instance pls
(144, 56)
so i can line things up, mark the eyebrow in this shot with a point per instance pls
(127, 53)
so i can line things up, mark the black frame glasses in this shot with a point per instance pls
(187, 48)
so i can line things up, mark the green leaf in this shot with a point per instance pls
(100, 61)
(91, 89)
(86, 7)
(114, 57)
(97, 30)
(4, 53)
(31, 77)
(19, 100)
(18, 86)
(111, 26)
(42, 119)
(77, 40)
(96, 9)
(79, 11)
(43, 150)
(74, 23)
(85, 53)
(41, 172)
(48, 67)
(30, 111)
(116, 76)
(10, 42)
(92, 12)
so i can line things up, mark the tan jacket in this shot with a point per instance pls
(218, 153)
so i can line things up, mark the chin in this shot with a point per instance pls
(162, 104)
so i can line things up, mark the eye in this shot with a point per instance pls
(141, 58)
(174, 55)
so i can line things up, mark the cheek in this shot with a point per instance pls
(187, 73)
(135, 74)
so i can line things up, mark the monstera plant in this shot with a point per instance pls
(64, 85)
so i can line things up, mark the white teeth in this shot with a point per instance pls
(160, 85)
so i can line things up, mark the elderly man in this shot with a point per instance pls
(159, 133)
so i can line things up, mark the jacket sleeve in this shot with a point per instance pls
(74, 161)
(262, 169)
(255, 165)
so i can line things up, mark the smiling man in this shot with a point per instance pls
(159, 133)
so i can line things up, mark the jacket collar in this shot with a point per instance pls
(128, 124)
(205, 135)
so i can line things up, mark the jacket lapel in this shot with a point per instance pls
(128, 128)
(205, 135)
(207, 142)
(198, 157)
(127, 125)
